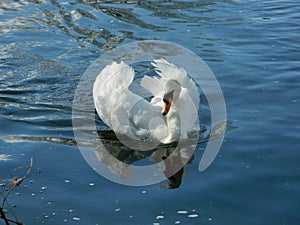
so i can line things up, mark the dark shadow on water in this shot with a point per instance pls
(174, 164)
(176, 156)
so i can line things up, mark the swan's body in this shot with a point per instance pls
(128, 114)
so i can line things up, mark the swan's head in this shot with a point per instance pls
(172, 91)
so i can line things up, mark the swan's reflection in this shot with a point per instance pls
(110, 149)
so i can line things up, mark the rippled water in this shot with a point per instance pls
(252, 48)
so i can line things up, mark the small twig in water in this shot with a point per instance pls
(13, 183)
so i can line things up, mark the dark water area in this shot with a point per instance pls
(252, 48)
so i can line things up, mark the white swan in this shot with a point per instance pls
(171, 114)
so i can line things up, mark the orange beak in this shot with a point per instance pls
(166, 106)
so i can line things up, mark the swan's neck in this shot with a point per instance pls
(173, 124)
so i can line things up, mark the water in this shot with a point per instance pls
(252, 48)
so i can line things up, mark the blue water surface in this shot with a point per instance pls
(251, 46)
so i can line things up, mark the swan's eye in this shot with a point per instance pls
(166, 101)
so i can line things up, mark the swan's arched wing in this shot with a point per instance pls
(116, 76)
(110, 85)
(123, 111)
(169, 71)
(153, 84)
(193, 92)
